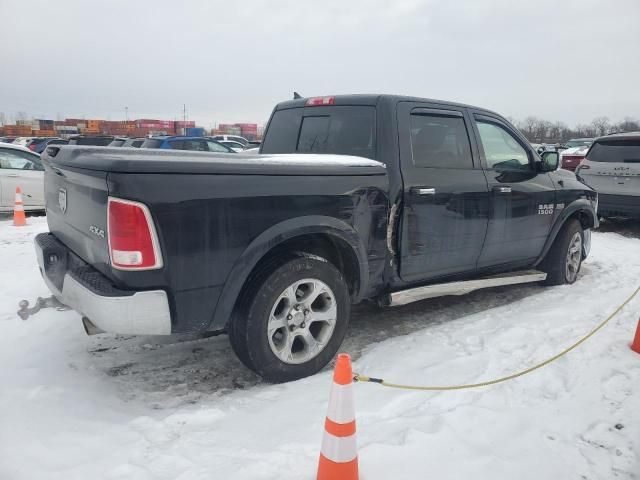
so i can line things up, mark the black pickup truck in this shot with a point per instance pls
(353, 197)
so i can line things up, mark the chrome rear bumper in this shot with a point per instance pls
(113, 311)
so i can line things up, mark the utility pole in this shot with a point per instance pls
(126, 114)
(184, 112)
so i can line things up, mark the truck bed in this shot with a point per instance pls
(135, 160)
(210, 211)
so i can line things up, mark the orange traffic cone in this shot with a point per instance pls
(19, 220)
(635, 346)
(339, 454)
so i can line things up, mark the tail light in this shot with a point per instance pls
(32, 147)
(572, 159)
(133, 242)
(318, 101)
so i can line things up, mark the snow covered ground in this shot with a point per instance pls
(105, 407)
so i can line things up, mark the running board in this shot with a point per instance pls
(460, 288)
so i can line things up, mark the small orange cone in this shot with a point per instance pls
(19, 219)
(635, 346)
(339, 453)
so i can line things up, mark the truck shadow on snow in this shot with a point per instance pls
(166, 372)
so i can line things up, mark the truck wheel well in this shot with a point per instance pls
(332, 248)
(584, 218)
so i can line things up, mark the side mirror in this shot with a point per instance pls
(550, 161)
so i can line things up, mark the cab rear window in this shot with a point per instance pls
(615, 151)
(342, 130)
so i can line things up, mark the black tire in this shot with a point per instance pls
(555, 263)
(249, 325)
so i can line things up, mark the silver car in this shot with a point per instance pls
(20, 167)
(612, 168)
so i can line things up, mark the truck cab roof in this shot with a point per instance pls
(368, 99)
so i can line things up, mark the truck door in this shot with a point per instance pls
(24, 170)
(445, 198)
(522, 199)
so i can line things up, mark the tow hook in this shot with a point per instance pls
(49, 302)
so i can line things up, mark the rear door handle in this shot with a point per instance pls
(423, 191)
(502, 189)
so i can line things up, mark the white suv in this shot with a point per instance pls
(612, 168)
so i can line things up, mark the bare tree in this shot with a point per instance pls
(627, 125)
(21, 116)
(601, 125)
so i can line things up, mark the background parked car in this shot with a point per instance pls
(200, 144)
(232, 138)
(235, 146)
(579, 142)
(117, 142)
(612, 168)
(572, 157)
(20, 167)
(97, 140)
(22, 141)
(40, 144)
(7, 139)
(134, 142)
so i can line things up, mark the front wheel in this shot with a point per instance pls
(291, 319)
(562, 263)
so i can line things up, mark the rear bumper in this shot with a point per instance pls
(91, 294)
(619, 205)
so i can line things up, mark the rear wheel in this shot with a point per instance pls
(291, 319)
(562, 263)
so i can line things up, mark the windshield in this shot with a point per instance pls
(579, 143)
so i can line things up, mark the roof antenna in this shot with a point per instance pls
(296, 95)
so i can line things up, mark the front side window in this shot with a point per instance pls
(18, 161)
(501, 149)
(440, 142)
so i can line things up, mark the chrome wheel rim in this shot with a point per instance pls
(302, 321)
(574, 256)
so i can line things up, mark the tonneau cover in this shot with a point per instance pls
(136, 160)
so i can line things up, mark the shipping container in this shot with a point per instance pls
(194, 131)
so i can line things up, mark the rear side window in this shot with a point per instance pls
(615, 151)
(177, 145)
(196, 145)
(342, 130)
(151, 143)
(440, 142)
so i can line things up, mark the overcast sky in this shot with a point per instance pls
(568, 60)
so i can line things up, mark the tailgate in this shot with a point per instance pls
(76, 201)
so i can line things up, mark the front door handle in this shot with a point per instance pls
(423, 191)
(502, 189)
(12, 175)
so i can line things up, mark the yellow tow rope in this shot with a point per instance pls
(363, 378)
